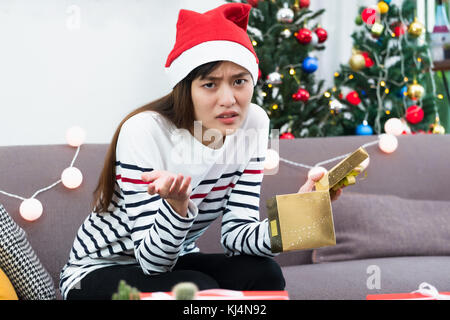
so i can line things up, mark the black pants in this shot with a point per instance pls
(207, 271)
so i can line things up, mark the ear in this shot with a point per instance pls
(238, 13)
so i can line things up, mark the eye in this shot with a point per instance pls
(240, 82)
(208, 85)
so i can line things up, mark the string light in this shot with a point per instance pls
(388, 143)
(351, 77)
(292, 71)
(272, 162)
(75, 136)
(31, 208)
(364, 163)
(275, 107)
(71, 178)
(393, 126)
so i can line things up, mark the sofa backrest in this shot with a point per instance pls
(418, 169)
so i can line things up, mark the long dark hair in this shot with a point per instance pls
(176, 107)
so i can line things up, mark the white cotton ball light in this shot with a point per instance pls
(31, 209)
(388, 143)
(316, 172)
(71, 177)
(75, 136)
(272, 161)
(365, 164)
(394, 126)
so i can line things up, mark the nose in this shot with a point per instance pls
(226, 96)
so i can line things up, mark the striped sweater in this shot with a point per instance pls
(139, 228)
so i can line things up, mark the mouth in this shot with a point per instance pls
(228, 115)
(228, 118)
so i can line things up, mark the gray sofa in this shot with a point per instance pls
(417, 170)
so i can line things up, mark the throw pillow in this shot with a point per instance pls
(6, 288)
(20, 263)
(374, 226)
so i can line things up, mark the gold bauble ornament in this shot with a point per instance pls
(383, 7)
(437, 128)
(357, 61)
(416, 28)
(415, 91)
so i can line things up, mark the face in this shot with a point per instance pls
(221, 99)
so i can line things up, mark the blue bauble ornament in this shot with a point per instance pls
(402, 91)
(364, 129)
(387, 1)
(310, 64)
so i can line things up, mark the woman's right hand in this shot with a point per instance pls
(175, 189)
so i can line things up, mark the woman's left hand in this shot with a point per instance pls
(313, 176)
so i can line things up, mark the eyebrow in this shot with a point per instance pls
(238, 75)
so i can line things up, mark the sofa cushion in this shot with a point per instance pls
(7, 291)
(371, 226)
(354, 280)
(20, 263)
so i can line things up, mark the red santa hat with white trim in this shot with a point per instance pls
(218, 34)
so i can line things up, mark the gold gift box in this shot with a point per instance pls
(301, 221)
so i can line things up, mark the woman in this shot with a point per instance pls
(147, 214)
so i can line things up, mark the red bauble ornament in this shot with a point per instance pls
(287, 135)
(369, 61)
(353, 98)
(253, 3)
(414, 114)
(301, 95)
(321, 34)
(304, 3)
(259, 74)
(304, 36)
(400, 29)
(369, 15)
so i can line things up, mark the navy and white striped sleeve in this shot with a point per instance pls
(242, 231)
(157, 231)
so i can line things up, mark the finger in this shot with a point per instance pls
(151, 188)
(150, 176)
(184, 189)
(176, 186)
(336, 194)
(316, 173)
(165, 187)
(307, 187)
(365, 163)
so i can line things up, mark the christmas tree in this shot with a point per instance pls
(388, 84)
(285, 36)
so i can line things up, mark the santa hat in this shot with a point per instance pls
(218, 34)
